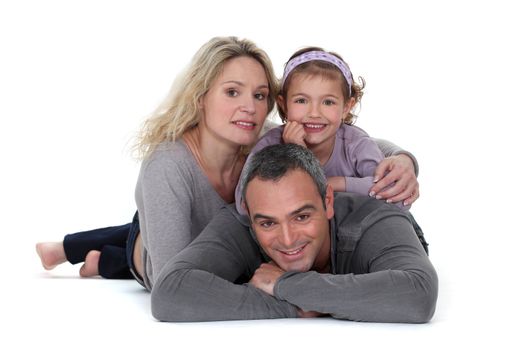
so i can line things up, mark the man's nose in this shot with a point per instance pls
(288, 237)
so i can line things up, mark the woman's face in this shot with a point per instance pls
(235, 106)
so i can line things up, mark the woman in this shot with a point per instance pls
(193, 150)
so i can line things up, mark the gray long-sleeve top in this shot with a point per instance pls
(380, 272)
(175, 201)
(355, 157)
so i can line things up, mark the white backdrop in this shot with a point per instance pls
(444, 80)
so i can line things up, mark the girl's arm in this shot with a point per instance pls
(364, 156)
(390, 149)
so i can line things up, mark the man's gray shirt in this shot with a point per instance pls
(380, 272)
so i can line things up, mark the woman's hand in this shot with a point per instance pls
(395, 180)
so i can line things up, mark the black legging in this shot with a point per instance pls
(110, 241)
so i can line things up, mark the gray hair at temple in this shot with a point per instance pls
(273, 162)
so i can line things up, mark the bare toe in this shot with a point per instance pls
(90, 267)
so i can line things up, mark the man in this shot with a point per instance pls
(308, 253)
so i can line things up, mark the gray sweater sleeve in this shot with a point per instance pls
(391, 149)
(175, 202)
(165, 215)
(392, 280)
(202, 283)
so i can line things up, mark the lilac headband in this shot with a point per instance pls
(319, 56)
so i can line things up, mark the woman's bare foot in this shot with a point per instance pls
(51, 254)
(90, 267)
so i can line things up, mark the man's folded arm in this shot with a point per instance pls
(391, 279)
(198, 284)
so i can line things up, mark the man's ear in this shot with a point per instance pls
(245, 207)
(329, 202)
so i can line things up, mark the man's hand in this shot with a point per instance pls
(265, 277)
(396, 180)
(308, 314)
(294, 133)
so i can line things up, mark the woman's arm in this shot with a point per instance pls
(165, 213)
(175, 202)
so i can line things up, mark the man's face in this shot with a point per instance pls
(290, 221)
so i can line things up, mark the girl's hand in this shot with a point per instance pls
(294, 133)
(395, 180)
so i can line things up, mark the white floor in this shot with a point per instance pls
(57, 310)
(444, 80)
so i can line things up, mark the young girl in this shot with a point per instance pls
(316, 99)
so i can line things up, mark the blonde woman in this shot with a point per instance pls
(193, 151)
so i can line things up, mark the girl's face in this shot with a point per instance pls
(318, 104)
(235, 106)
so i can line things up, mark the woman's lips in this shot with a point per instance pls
(245, 124)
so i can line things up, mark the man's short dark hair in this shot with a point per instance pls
(273, 162)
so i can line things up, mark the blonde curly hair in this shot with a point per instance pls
(180, 110)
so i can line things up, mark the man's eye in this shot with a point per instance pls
(232, 93)
(266, 224)
(303, 217)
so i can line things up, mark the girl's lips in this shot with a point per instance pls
(309, 127)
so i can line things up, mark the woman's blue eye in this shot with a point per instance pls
(260, 97)
(232, 93)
